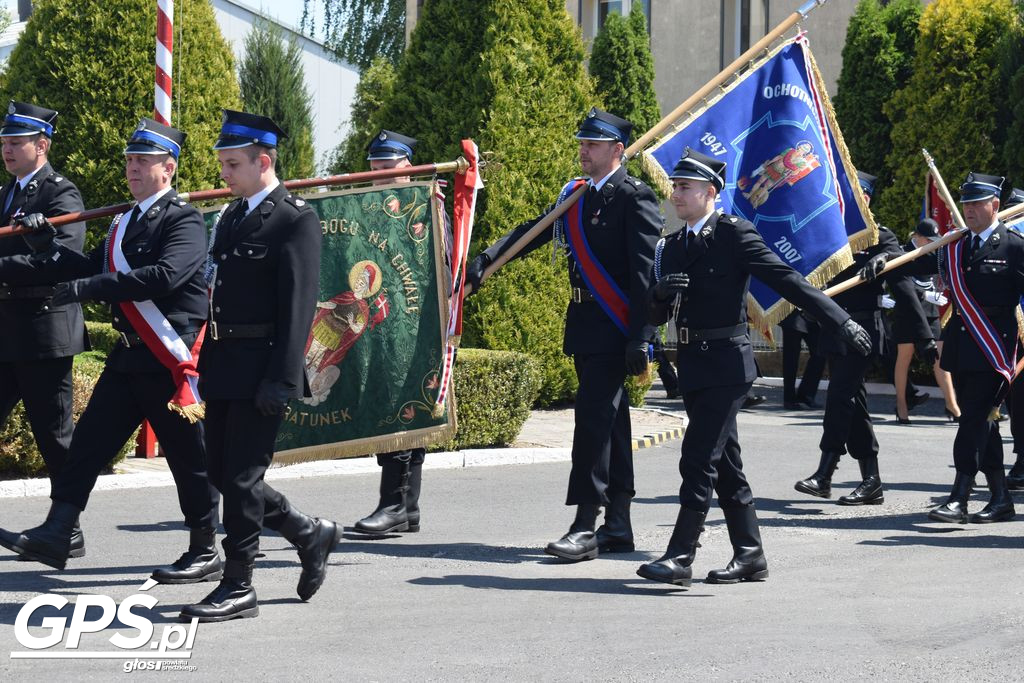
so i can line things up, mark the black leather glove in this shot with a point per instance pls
(69, 292)
(670, 285)
(475, 272)
(41, 238)
(636, 358)
(271, 397)
(856, 337)
(873, 268)
(928, 350)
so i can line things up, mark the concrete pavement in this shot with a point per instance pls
(874, 592)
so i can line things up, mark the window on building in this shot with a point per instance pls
(743, 23)
(606, 7)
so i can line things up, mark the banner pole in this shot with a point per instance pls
(458, 166)
(658, 128)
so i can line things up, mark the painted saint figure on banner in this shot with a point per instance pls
(788, 167)
(338, 324)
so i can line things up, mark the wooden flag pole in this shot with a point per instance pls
(659, 128)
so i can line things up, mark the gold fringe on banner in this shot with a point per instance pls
(758, 317)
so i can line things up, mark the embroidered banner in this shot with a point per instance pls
(377, 344)
(788, 170)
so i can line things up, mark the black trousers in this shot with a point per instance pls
(847, 423)
(1015, 401)
(978, 446)
(791, 363)
(414, 456)
(710, 458)
(239, 448)
(119, 402)
(45, 387)
(602, 448)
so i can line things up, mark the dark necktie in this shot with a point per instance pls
(975, 244)
(133, 219)
(14, 192)
(690, 237)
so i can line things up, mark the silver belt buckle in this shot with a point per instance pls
(684, 335)
(213, 330)
(575, 295)
(124, 339)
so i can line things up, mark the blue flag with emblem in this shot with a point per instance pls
(787, 169)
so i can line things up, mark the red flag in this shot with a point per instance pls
(935, 207)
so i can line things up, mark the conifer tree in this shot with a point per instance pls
(509, 74)
(374, 88)
(949, 105)
(623, 70)
(360, 30)
(1010, 117)
(273, 84)
(92, 61)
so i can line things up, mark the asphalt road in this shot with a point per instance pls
(854, 592)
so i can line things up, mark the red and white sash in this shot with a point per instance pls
(158, 334)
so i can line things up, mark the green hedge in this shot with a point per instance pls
(637, 387)
(102, 336)
(494, 392)
(19, 456)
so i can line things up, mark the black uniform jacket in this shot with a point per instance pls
(33, 329)
(622, 224)
(166, 249)
(726, 252)
(268, 273)
(863, 302)
(994, 276)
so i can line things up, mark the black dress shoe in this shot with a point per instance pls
(314, 557)
(201, 562)
(668, 570)
(754, 400)
(575, 546)
(1002, 511)
(751, 569)
(954, 512)
(748, 562)
(77, 546)
(820, 483)
(234, 598)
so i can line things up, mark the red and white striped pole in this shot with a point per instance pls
(146, 444)
(164, 59)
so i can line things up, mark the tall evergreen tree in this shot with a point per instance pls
(623, 70)
(877, 60)
(92, 60)
(1010, 117)
(508, 73)
(360, 30)
(374, 88)
(273, 84)
(950, 103)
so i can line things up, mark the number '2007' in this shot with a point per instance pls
(787, 250)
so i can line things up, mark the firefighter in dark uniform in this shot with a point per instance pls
(40, 340)
(401, 472)
(703, 276)
(847, 423)
(1015, 477)
(992, 268)
(263, 273)
(163, 243)
(621, 224)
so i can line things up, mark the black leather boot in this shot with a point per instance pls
(1000, 506)
(412, 496)
(314, 538)
(748, 562)
(77, 544)
(201, 562)
(869, 492)
(820, 483)
(50, 542)
(675, 565)
(1015, 479)
(233, 598)
(391, 514)
(616, 534)
(954, 510)
(581, 541)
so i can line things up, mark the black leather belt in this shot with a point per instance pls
(130, 339)
(26, 292)
(688, 335)
(579, 295)
(231, 331)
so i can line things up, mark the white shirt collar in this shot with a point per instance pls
(987, 232)
(600, 183)
(257, 198)
(147, 203)
(22, 182)
(700, 224)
